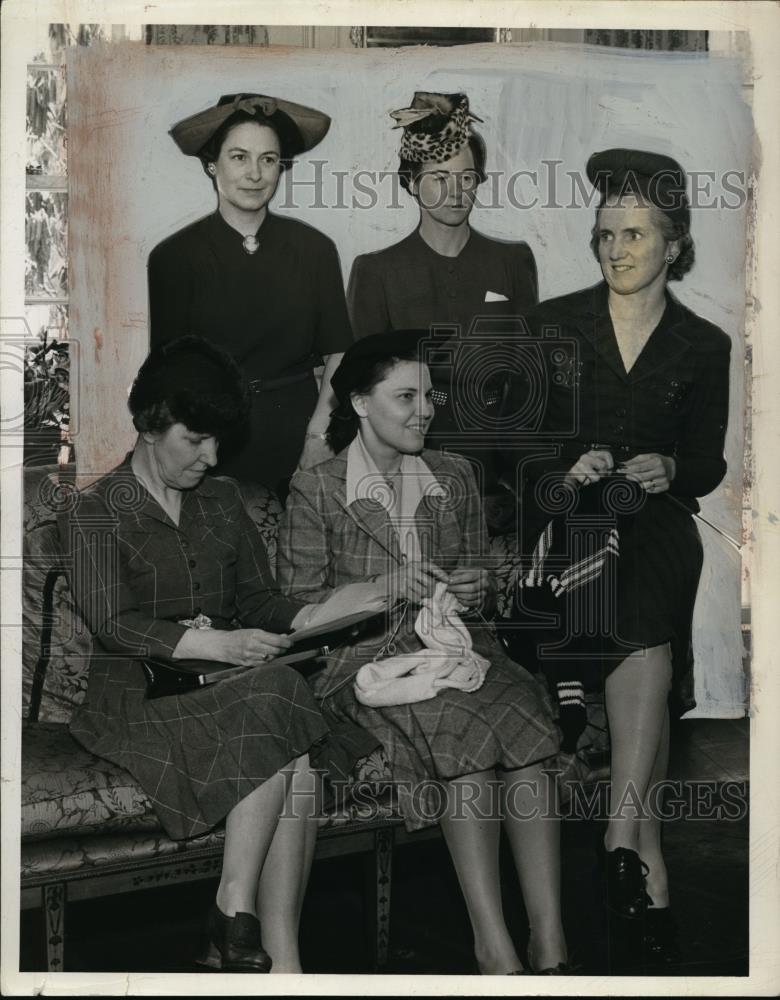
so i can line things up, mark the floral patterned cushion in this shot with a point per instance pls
(66, 790)
(506, 565)
(65, 855)
(264, 508)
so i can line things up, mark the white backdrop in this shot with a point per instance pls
(130, 187)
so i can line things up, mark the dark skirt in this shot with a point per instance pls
(642, 596)
(269, 450)
(197, 755)
(505, 725)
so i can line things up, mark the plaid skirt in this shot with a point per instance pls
(197, 755)
(505, 725)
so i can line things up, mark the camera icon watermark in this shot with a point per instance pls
(496, 377)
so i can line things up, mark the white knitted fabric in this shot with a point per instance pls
(448, 661)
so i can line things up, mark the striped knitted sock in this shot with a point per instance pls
(573, 717)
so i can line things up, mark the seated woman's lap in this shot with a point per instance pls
(507, 723)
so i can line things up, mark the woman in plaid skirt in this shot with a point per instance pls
(385, 511)
(167, 564)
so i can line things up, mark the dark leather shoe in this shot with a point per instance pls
(235, 943)
(561, 969)
(626, 872)
(659, 941)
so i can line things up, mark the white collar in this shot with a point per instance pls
(366, 482)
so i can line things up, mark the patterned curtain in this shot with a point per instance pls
(664, 41)
(206, 34)
(61, 35)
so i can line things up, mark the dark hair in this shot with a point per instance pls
(671, 231)
(290, 139)
(192, 382)
(344, 422)
(408, 170)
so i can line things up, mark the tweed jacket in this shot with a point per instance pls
(673, 401)
(323, 543)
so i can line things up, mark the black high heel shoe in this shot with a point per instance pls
(235, 943)
(626, 873)
(571, 967)
(561, 969)
(660, 946)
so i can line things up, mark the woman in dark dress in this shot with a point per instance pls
(167, 564)
(385, 514)
(446, 274)
(636, 409)
(265, 287)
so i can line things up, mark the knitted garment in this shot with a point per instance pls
(447, 661)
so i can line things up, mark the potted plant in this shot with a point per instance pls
(47, 402)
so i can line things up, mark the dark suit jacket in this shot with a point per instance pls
(409, 285)
(674, 401)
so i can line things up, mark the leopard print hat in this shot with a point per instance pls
(436, 127)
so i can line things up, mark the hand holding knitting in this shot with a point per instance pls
(469, 585)
(414, 581)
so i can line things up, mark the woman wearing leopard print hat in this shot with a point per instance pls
(446, 274)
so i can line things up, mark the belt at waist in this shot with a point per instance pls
(298, 373)
(269, 384)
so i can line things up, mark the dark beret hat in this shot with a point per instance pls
(192, 133)
(361, 356)
(189, 366)
(657, 178)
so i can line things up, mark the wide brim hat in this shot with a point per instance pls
(654, 177)
(361, 356)
(300, 128)
(435, 126)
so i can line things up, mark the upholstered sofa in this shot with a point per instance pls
(87, 829)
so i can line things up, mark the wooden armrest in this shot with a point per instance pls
(47, 621)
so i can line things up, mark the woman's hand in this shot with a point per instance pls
(469, 585)
(414, 581)
(590, 467)
(654, 473)
(248, 647)
(243, 647)
(315, 450)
